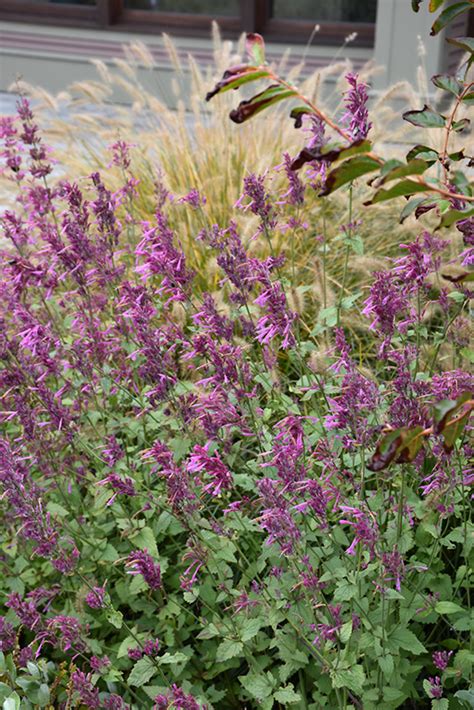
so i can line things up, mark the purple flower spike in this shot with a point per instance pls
(141, 562)
(356, 116)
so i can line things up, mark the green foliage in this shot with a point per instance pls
(203, 468)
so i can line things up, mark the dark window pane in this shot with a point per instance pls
(326, 10)
(89, 3)
(197, 7)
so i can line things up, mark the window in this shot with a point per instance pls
(279, 20)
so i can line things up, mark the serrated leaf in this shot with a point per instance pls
(448, 15)
(235, 77)
(344, 592)
(144, 539)
(172, 658)
(448, 608)
(258, 686)
(114, 617)
(425, 118)
(228, 649)
(404, 638)
(466, 696)
(266, 98)
(348, 171)
(447, 83)
(351, 678)
(287, 695)
(56, 509)
(386, 665)
(250, 628)
(142, 672)
(255, 46)
(209, 632)
(345, 632)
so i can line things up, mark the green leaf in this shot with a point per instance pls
(466, 696)
(447, 83)
(430, 155)
(255, 47)
(401, 189)
(114, 617)
(434, 5)
(250, 628)
(450, 418)
(287, 695)
(42, 695)
(410, 207)
(448, 608)
(297, 114)
(144, 539)
(345, 632)
(344, 592)
(56, 509)
(235, 77)
(258, 686)
(386, 665)
(351, 678)
(460, 126)
(397, 446)
(425, 117)
(228, 649)
(331, 155)
(268, 97)
(404, 638)
(128, 642)
(172, 658)
(393, 695)
(449, 14)
(464, 43)
(452, 216)
(349, 170)
(209, 632)
(468, 98)
(142, 671)
(440, 704)
(415, 5)
(13, 702)
(413, 167)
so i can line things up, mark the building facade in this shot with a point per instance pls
(51, 42)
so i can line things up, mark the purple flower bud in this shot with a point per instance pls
(95, 598)
(141, 562)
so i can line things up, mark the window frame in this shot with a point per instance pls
(254, 16)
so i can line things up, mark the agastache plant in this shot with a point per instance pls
(216, 493)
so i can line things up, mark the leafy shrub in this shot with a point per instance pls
(229, 501)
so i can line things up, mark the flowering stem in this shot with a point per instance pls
(346, 256)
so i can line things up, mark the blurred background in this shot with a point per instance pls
(52, 42)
